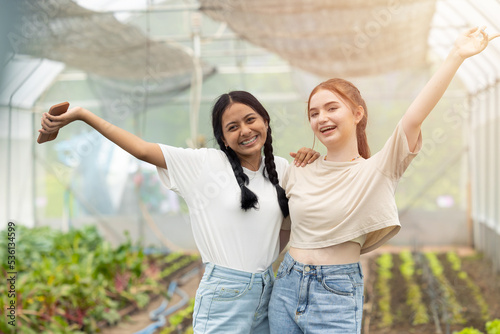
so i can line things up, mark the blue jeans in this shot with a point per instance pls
(232, 301)
(316, 299)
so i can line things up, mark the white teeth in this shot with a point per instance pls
(246, 142)
(328, 128)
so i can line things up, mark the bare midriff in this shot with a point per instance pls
(347, 252)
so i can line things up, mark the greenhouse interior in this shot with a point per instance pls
(94, 242)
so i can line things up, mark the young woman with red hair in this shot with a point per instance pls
(343, 205)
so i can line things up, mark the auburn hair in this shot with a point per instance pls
(351, 95)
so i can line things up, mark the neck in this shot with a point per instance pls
(251, 163)
(342, 154)
(342, 157)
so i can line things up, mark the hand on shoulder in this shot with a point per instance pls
(304, 156)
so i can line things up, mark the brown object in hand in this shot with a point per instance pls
(55, 110)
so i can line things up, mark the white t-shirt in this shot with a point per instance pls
(334, 202)
(224, 233)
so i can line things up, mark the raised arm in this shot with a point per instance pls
(468, 44)
(139, 148)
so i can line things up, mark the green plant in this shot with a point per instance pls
(469, 330)
(449, 295)
(414, 295)
(382, 286)
(68, 282)
(178, 318)
(493, 327)
(178, 265)
(456, 265)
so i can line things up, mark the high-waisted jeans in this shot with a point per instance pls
(316, 299)
(232, 301)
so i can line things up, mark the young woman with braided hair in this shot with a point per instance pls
(343, 205)
(236, 206)
(248, 199)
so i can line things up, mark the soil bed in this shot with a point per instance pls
(477, 268)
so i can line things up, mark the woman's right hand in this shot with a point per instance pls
(139, 148)
(304, 156)
(51, 123)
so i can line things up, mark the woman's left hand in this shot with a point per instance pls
(304, 156)
(473, 42)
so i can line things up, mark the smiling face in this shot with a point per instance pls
(245, 131)
(333, 120)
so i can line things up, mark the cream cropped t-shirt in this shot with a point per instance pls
(334, 202)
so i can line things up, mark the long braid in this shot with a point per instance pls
(248, 198)
(273, 175)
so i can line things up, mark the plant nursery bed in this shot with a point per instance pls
(185, 266)
(139, 319)
(76, 282)
(449, 292)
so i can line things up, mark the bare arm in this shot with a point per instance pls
(139, 148)
(468, 44)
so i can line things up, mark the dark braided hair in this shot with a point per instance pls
(248, 198)
(273, 175)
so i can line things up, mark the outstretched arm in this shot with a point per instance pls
(139, 148)
(468, 44)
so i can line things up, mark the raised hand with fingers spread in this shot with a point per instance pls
(343, 205)
(473, 42)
